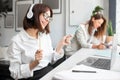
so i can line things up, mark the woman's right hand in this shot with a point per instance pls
(101, 46)
(38, 55)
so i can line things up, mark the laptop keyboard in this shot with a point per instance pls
(97, 63)
(102, 64)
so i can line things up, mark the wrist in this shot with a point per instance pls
(59, 48)
(34, 64)
(97, 46)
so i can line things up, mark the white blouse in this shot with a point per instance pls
(82, 39)
(21, 52)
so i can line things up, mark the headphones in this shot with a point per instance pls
(30, 13)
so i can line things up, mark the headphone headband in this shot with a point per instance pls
(30, 13)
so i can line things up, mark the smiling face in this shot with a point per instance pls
(97, 22)
(42, 15)
(44, 19)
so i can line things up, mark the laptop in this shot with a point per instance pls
(111, 63)
(115, 61)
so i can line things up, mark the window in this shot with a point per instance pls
(21, 9)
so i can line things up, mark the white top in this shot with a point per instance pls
(82, 39)
(83, 36)
(21, 52)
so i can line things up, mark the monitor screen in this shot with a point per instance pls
(6, 5)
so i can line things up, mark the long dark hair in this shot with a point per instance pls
(34, 22)
(101, 30)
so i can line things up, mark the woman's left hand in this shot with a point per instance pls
(64, 41)
(101, 46)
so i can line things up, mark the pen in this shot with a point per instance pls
(83, 71)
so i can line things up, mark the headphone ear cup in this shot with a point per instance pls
(32, 19)
(30, 13)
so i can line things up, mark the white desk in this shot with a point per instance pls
(72, 61)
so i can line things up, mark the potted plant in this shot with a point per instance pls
(110, 32)
(97, 9)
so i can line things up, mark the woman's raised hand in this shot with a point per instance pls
(67, 39)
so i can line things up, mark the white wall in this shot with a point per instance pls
(82, 12)
(118, 16)
(6, 33)
(57, 28)
(60, 24)
(118, 20)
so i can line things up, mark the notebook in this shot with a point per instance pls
(104, 63)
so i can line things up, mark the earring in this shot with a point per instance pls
(30, 13)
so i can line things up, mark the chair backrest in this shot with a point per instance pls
(3, 53)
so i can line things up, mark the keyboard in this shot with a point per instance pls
(102, 64)
(96, 62)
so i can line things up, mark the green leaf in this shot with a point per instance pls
(110, 29)
(97, 9)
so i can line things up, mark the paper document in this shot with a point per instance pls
(105, 53)
(86, 73)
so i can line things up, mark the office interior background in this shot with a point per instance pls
(68, 14)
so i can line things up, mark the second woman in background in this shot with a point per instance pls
(89, 35)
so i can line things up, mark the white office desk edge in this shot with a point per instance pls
(69, 63)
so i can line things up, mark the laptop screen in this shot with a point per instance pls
(115, 54)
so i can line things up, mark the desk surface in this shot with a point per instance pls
(72, 61)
